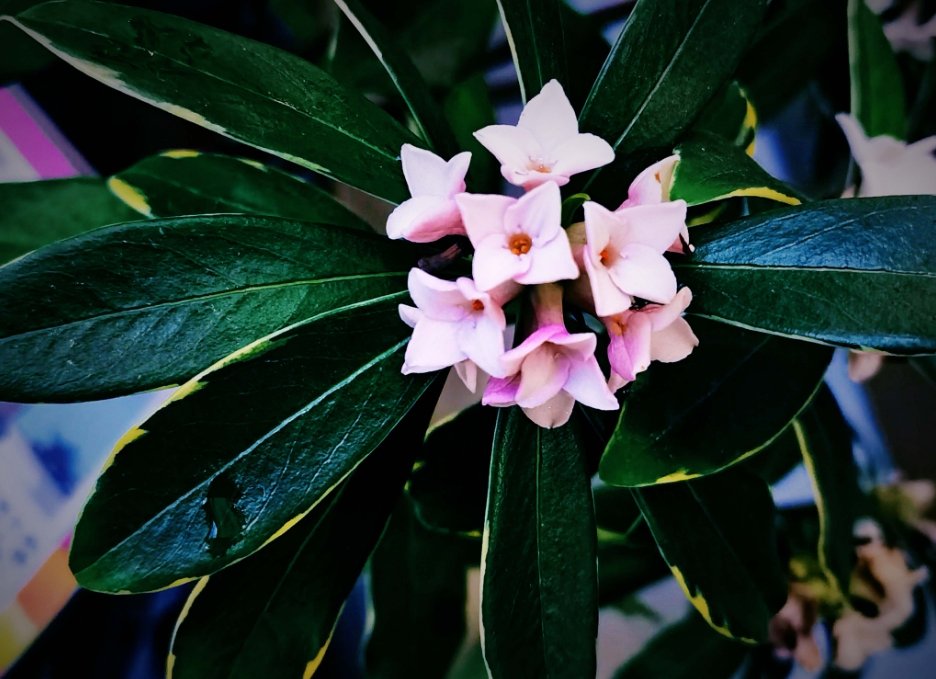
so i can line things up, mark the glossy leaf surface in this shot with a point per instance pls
(277, 609)
(246, 448)
(539, 581)
(730, 115)
(855, 273)
(717, 535)
(643, 110)
(418, 583)
(409, 83)
(825, 442)
(713, 168)
(150, 304)
(534, 32)
(449, 488)
(242, 89)
(179, 183)
(877, 92)
(35, 214)
(730, 398)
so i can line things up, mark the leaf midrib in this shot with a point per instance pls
(250, 289)
(188, 67)
(256, 444)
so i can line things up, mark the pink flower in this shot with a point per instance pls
(551, 369)
(623, 253)
(545, 145)
(520, 240)
(431, 213)
(454, 322)
(654, 333)
(652, 187)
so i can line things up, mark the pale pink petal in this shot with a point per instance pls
(530, 179)
(863, 365)
(543, 374)
(425, 219)
(512, 146)
(637, 338)
(538, 214)
(549, 116)
(425, 172)
(501, 392)
(491, 308)
(615, 382)
(652, 185)
(440, 300)
(467, 372)
(620, 359)
(673, 343)
(513, 359)
(550, 262)
(554, 413)
(433, 346)
(482, 340)
(580, 153)
(455, 171)
(656, 226)
(483, 215)
(494, 264)
(599, 223)
(642, 272)
(607, 296)
(579, 346)
(663, 316)
(857, 139)
(410, 315)
(587, 385)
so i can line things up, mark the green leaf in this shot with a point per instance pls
(669, 61)
(275, 611)
(825, 442)
(789, 50)
(149, 304)
(586, 51)
(18, 54)
(409, 83)
(571, 206)
(626, 566)
(778, 459)
(712, 168)
(688, 649)
(418, 585)
(449, 489)
(38, 213)
(877, 92)
(717, 535)
(539, 581)
(180, 183)
(468, 108)
(855, 273)
(537, 44)
(732, 116)
(245, 450)
(729, 399)
(242, 89)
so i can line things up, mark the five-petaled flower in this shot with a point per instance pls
(431, 213)
(545, 145)
(454, 322)
(520, 240)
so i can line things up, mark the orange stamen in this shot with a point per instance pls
(477, 305)
(604, 257)
(520, 244)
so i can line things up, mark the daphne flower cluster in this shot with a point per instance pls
(604, 265)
